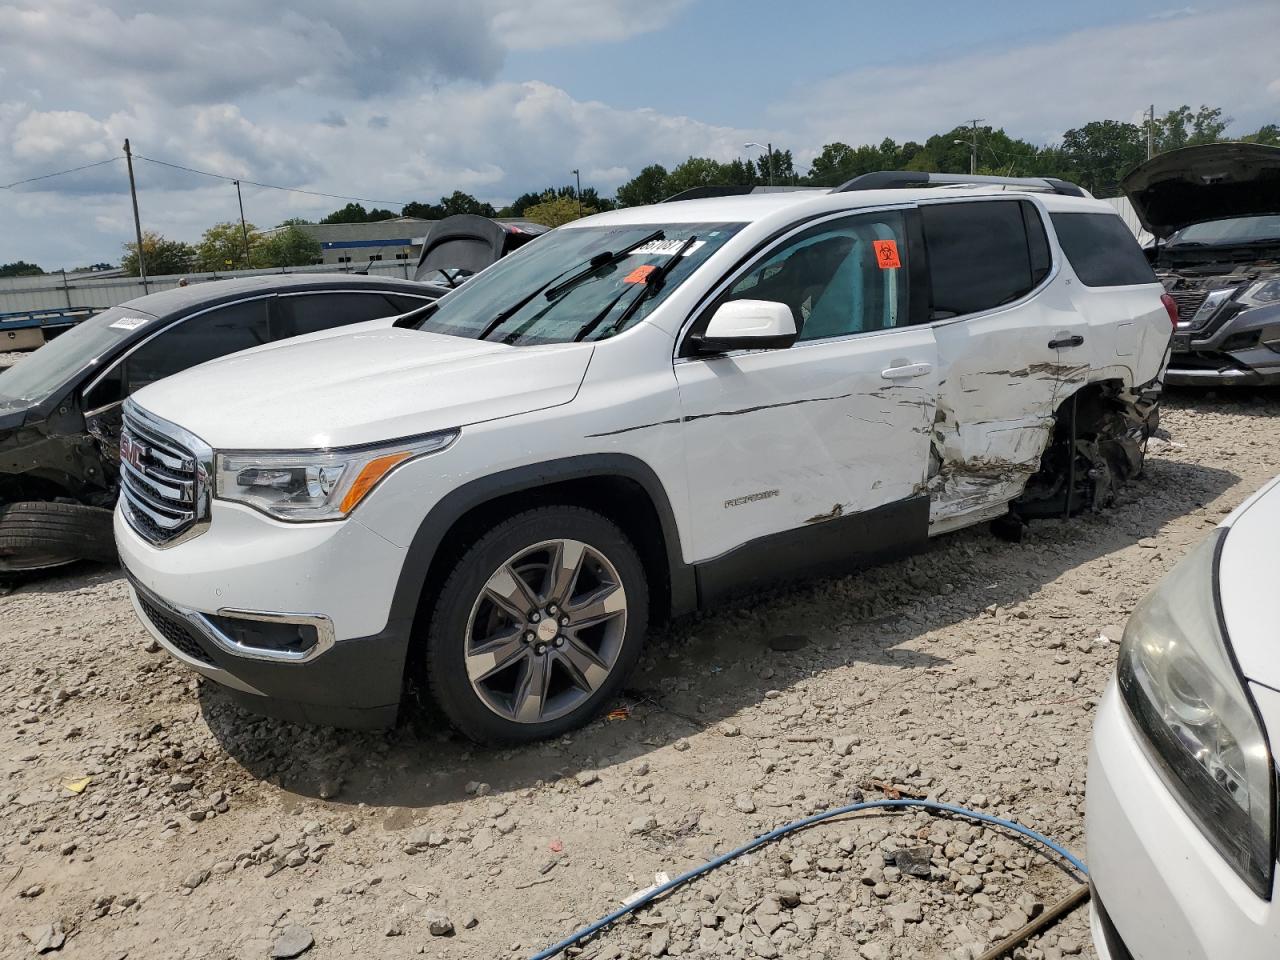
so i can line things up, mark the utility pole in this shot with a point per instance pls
(243, 229)
(973, 151)
(1151, 130)
(768, 148)
(579, 194)
(137, 222)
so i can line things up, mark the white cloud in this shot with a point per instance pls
(1040, 90)
(414, 85)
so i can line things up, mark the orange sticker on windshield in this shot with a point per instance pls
(886, 253)
(640, 274)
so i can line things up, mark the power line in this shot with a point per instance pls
(60, 173)
(269, 186)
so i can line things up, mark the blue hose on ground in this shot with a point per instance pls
(772, 835)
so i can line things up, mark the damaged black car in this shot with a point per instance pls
(60, 407)
(1215, 213)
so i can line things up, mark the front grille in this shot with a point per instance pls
(1188, 302)
(173, 628)
(161, 480)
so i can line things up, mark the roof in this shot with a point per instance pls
(758, 206)
(180, 299)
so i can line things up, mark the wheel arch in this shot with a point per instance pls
(618, 486)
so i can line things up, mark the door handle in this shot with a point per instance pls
(1073, 341)
(907, 371)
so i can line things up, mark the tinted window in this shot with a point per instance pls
(982, 254)
(1102, 250)
(836, 277)
(204, 337)
(309, 313)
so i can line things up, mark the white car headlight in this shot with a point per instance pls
(315, 484)
(1177, 676)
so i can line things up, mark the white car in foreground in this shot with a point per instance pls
(1182, 797)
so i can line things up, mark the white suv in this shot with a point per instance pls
(634, 416)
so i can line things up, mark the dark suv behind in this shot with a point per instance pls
(1215, 213)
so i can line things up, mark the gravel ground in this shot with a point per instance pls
(148, 817)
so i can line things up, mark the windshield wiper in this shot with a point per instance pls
(554, 288)
(601, 260)
(652, 284)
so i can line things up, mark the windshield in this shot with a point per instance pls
(517, 300)
(1236, 230)
(84, 345)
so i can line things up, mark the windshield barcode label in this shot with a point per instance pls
(664, 248)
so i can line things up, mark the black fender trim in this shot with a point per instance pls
(822, 547)
(458, 502)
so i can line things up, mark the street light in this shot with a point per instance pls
(768, 148)
(579, 194)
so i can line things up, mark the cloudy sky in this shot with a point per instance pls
(408, 99)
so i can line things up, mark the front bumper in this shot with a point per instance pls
(1231, 349)
(1165, 891)
(339, 576)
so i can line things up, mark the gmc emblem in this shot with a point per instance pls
(131, 452)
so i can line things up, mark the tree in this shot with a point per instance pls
(459, 202)
(1101, 152)
(351, 213)
(286, 247)
(555, 211)
(1268, 134)
(648, 186)
(423, 211)
(163, 256)
(222, 247)
(20, 268)
(1182, 128)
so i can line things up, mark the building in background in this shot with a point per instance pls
(355, 244)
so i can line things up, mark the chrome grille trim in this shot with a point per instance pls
(165, 478)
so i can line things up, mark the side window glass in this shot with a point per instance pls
(1102, 250)
(206, 336)
(312, 312)
(980, 256)
(841, 277)
(1037, 243)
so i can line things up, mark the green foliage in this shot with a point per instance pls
(1182, 128)
(456, 203)
(162, 256)
(1102, 152)
(223, 248)
(648, 186)
(1268, 134)
(20, 268)
(286, 247)
(351, 213)
(554, 210)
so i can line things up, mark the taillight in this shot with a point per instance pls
(1171, 305)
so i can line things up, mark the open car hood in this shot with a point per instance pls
(1210, 182)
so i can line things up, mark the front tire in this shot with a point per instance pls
(538, 626)
(41, 535)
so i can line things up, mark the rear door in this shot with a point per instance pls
(1013, 348)
(836, 427)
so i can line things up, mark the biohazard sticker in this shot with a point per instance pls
(886, 254)
(640, 274)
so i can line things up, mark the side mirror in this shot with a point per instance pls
(748, 325)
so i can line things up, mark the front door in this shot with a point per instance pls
(782, 444)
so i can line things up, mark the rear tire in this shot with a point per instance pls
(40, 535)
(538, 626)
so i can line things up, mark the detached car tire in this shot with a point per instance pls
(538, 626)
(38, 535)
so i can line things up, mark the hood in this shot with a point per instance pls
(1247, 585)
(365, 387)
(1210, 182)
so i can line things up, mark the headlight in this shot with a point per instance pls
(1201, 728)
(315, 484)
(1262, 293)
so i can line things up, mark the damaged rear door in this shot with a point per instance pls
(801, 446)
(1013, 348)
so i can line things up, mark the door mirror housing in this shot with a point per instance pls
(747, 325)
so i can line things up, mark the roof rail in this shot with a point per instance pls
(900, 179)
